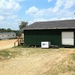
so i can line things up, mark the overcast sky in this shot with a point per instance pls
(14, 11)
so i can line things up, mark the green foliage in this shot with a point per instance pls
(18, 33)
(23, 24)
(5, 30)
(9, 30)
(73, 56)
(6, 54)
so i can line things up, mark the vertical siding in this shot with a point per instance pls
(35, 37)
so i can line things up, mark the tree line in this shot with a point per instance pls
(18, 32)
(5, 30)
(10, 30)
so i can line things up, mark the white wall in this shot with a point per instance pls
(7, 35)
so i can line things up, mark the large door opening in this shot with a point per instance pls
(67, 38)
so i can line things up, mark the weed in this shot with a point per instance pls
(73, 56)
(7, 54)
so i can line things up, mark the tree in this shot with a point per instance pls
(9, 30)
(2, 30)
(23, 24)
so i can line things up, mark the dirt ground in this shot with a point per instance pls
(7, 43)
(34, 64)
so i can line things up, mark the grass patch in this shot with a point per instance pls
(9, 53)
(15, 51)
(4, 53)
(73, 56)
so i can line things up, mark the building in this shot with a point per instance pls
(60, 33)
(7, 35)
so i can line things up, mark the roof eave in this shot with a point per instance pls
(50, 28)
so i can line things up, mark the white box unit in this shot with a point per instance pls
(45, 44)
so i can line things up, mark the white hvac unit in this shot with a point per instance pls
(45, 44)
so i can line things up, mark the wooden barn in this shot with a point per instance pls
(7, 35)
(60, 33)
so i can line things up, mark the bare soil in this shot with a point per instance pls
(36, 62)
(7, 43)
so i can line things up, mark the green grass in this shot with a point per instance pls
(73, 56)
(4, 53)
(9, 53)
